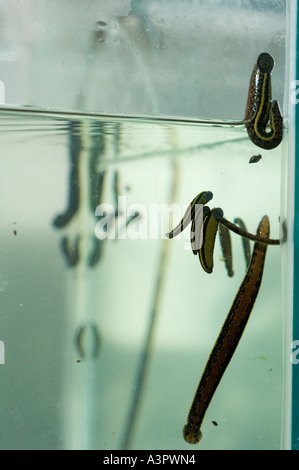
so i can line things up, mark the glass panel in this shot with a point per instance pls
(173, 58)
(107, 325)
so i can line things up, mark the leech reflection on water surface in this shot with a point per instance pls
(71, 250)
(250, 236)
(210, 227)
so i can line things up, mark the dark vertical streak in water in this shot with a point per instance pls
(96, 184)
(96, 178)
(245, 241)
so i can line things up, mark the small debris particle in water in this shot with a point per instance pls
(78, 360)
(101, 24)
(15, 232)
(255, 158)
(215, 423)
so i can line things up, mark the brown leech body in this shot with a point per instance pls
(228, 338)
(259, 104)
(245, 241)
(226, 246)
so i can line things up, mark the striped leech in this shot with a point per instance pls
(228, 338)
(87, 335)
(239, 313)
(245, 241)
(204, 230)
(262, 118)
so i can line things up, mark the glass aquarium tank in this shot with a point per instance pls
(114, 116)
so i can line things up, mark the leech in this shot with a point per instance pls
(201, 199)
(250, 236)
(74, 189)
(266, 112)
(226, 246)
(245, 241)
(210, 226)
(71, 253)
(196, 232)
(228, 338)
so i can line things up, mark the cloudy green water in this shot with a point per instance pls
(74, 335)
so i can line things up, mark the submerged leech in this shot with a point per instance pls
(250, 236)
(265, 129)
(201, 199)
(226, 246)
(228, 338)
(245, 241)
(210, 227)
(196, 232)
